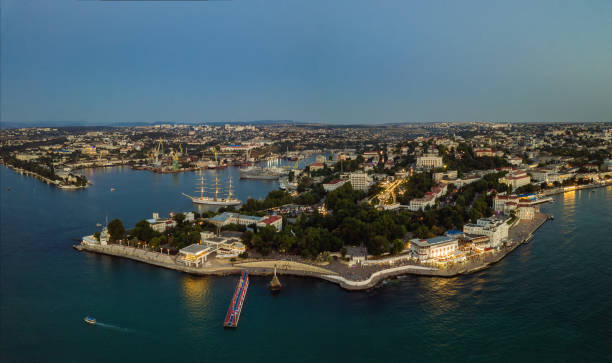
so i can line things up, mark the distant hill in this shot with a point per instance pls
(14, 124)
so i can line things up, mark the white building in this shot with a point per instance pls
(274, 221)
(92, 240)
(540, 175)
(225, 247)
(429, 161)
(161, 224)
(515, 160)
(516, 180)
(450, 175)
(421, 203)
(194, 255)
(525, 211)
(500, 202)
(495, 229)
(244, 220)
(433, 248)
(360, 181)
(429, 199)
(333, 185)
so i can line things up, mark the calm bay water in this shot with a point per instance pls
(550, 300)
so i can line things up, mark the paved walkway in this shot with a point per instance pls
(285, 265)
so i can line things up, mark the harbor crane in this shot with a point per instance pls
(157, 150)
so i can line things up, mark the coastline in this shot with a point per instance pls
(57, 183)
(263, 267)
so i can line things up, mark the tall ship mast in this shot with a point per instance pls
(211, 195)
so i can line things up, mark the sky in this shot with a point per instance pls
(312, 61)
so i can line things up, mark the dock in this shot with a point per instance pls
(235, 308)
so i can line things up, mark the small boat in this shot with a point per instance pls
(89, 320)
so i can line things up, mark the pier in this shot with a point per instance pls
(235, 308)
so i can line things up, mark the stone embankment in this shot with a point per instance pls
(58, 183)
(562, 190)
(519, 234)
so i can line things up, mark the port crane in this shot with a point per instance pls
(157, 150)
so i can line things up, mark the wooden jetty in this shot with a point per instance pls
(235, 308)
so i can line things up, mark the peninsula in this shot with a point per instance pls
(355, 204)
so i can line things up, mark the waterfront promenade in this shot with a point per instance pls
(350, 278)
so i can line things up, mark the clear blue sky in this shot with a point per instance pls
(322, 61)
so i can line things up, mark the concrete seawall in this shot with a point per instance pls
(265, 268)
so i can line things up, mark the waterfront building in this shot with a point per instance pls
(476, 243)
(429, 161)
(360, 181)
(516, 179)
(454, 233)
(92, 240)
(495, 229)
(525, 211)
(333, 185)
(441, 247)
(500, 202)
(194, 255)
(540, 175)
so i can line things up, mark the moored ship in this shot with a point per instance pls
(216, 199)
(256, 172)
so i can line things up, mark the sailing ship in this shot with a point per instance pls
(216, 199)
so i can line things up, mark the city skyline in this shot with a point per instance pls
(332, 63)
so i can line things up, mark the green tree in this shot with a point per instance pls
(398, 246)
(423, 232)
(377, 245)
(116, 230)
(179, 218)
(143, 231)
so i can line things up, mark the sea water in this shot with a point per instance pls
(549, 300)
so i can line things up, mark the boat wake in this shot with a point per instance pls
(115, 327)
